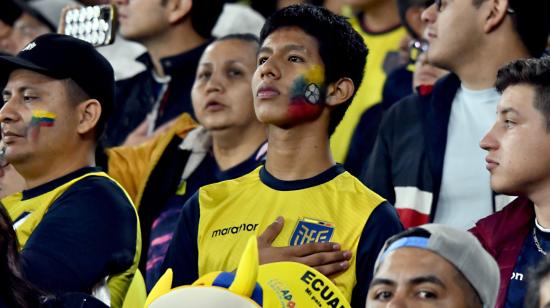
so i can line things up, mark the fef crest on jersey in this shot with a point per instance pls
(311, 231)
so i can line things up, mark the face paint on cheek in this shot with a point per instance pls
(40, 118)
(307, 94)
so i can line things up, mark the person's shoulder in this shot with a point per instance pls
(519, 209)
(231, 186)
(137, 79)
(361, 194)
(97, 191)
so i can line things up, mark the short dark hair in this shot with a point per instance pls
(76, 95)
(204, 15)
(341, 48)
(530, 20)
(533, 72)
(14, 288)
(535, 277)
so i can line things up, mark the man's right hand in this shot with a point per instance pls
(327, 258)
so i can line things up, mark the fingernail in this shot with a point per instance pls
(347, 254)
(279, 220)
(344, 264)
(336, 246)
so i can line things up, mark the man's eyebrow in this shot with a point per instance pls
(546, 305)
(382, 281)
(265, 49)
(286, 48)
(508, 110)
(428, 279)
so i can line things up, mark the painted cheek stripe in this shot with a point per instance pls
(43, 118)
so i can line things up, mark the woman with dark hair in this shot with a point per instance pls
(15, 291)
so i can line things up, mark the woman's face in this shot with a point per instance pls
(222, 94)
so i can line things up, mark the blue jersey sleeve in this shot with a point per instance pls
(382, 224)
(182, 256)
(88, 233)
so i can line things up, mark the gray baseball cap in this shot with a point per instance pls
(458, 247)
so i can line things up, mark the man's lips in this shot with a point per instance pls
(8, 136)
(266, 92)
(491, 164)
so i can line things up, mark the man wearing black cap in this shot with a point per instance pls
(77, 228)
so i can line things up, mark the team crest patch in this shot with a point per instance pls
(311, 231)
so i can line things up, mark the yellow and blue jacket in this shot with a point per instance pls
(331, 207)
(78, 233)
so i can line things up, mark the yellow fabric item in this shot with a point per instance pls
(282, 284)
(38, 206)
(229, 214)
(370, 91)
(163, 286)
(132, 165)
(137, 294)
(247, 272)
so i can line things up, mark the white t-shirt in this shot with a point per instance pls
(465, 194)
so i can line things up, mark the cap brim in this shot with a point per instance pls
(10, 63)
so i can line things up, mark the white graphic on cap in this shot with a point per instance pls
(29, 46)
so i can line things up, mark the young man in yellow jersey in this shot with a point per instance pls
(309, 64)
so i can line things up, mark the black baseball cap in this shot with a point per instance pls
(60, 57)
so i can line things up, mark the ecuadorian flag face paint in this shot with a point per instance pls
(42, 118)
(308, 87)
(307, 93)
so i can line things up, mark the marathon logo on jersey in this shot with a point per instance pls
(235, 229)
(311, 231)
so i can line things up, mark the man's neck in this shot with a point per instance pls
(298, 153)
(479, 70)
(381, 17)
(233, 146)
(541, 199)
(41, 172)
(175, 41)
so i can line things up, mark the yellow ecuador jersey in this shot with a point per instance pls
(331, 207)
(382, 58)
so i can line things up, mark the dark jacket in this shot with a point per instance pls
(136, 96)
(502, 235)
(397, 86)
(406, 164)
(150, 173)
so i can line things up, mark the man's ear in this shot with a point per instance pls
(495, 14)
(89, 112)
(340, 91)
(178, 9)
